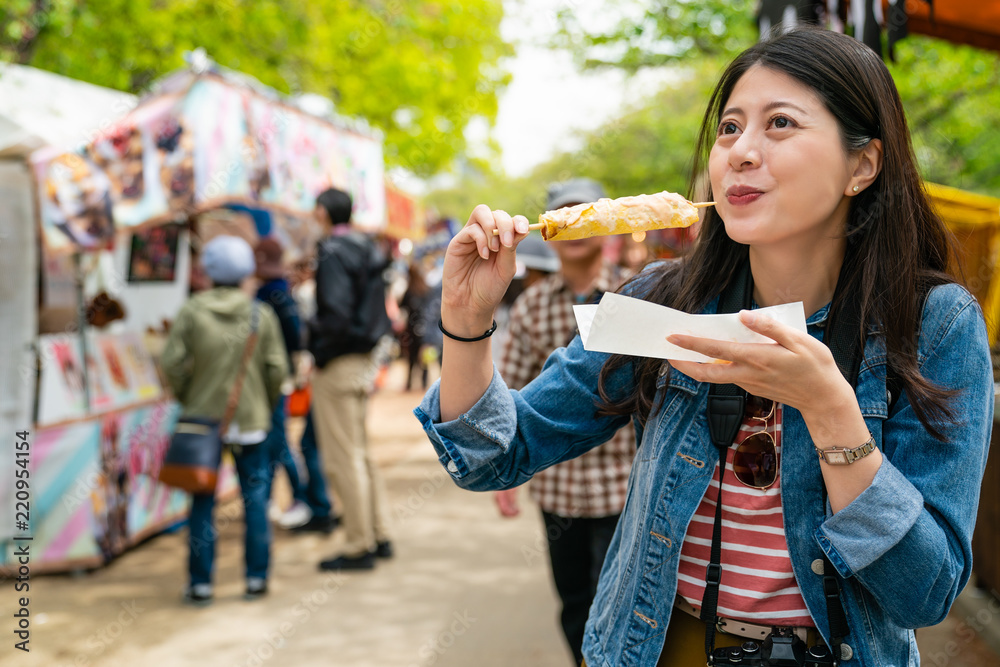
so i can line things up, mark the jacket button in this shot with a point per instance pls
(846, 652)
(817, 566)
(452, 468)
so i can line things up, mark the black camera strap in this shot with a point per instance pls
(725, 414)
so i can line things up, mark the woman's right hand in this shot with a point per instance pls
(478, 267)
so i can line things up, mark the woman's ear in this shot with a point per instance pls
(869, 164)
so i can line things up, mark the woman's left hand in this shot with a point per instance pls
(799, 371)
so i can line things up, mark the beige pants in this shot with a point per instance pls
(340, 402)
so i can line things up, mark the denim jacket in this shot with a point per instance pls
(902, 549)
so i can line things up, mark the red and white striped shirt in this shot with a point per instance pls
(757, 581)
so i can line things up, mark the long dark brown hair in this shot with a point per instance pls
(897, 247)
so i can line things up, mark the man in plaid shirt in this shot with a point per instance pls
(580, 499)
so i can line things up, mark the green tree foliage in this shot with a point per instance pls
(419, 70)
(658, 32)
(952, 99)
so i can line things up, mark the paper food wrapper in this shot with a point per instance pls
(624, 325)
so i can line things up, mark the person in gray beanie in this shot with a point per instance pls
(227, 260)
(201, 359)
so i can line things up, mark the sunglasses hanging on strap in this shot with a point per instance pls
(726, 408)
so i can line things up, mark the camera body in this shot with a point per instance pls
(781, 648)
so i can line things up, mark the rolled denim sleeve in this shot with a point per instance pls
(509, 435)
(908, 537)
(467, 445)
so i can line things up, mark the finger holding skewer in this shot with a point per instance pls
(478, 266)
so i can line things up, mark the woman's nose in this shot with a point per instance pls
(745, 152)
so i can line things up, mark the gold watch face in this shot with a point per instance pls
(836, 458)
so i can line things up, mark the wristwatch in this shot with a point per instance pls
(842, 456)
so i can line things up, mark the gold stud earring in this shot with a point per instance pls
(856, 188)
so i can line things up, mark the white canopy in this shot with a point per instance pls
(39, 108)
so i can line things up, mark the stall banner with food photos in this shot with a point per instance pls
(96, 489)
(153, 254)
(60, 388)
(120, 372)
(75, 201)
(224, 149)
(215, 143)
(284, 157)
(97, 492)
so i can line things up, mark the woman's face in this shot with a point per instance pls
(778, 168)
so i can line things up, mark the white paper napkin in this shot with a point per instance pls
(624, 325)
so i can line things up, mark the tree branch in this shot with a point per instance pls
(35, 22)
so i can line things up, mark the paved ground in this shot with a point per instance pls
(466, 588)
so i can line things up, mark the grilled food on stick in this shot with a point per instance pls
(625, 215)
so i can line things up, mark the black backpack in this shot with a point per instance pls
(370, 321)
(365, 320)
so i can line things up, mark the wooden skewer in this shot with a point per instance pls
(533, 225)
(539, 225)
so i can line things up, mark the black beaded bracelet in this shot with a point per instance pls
(489, 332)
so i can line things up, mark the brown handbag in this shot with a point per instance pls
(195, 452)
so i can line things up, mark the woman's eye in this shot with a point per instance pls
(728, 128)
(781, 122)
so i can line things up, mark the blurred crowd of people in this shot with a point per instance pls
(332, 323)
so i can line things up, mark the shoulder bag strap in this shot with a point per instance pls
(234, 393)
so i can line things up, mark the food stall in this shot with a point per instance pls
(101, 223)
(975, 221)
(80, 507)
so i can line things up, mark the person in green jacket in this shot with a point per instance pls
(201, 360)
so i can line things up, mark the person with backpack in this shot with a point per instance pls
(350, 319)
(807, 501)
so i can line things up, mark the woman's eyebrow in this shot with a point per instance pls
(770, 106)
